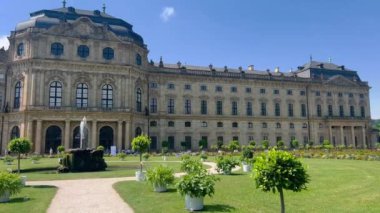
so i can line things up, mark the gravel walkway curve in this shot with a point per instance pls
(93, 195)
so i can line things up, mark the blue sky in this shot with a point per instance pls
(235, 33)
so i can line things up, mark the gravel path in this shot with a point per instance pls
(92, 195)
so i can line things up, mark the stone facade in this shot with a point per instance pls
(50, 81)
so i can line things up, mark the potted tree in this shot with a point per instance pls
(225, 164)
(160, 177)
(247, 159)
(195, 186)
(10, 184)
(20, 146)
(140, 144)
(234, 146)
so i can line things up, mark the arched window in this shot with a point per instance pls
(265, 125)
(17, 98)
(55, 94)
(138, 59)
(107, 99)
(82, 95)
(15, 133)
(291, 125)
(138, 131)
(20, 49)
(83, 51)
(138, 100)
(56, 49)
(235, 125)
(108, 53)
(250, 125)
(278, 125)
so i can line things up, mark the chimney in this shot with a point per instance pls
(251, 68)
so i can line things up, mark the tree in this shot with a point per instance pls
(234, 145)
(294, 143)
(280, 144)
(278, 170)
(265, 144)
(141, 144)
(203, 144)
(20, 146)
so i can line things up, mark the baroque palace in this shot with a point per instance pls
(66, 63)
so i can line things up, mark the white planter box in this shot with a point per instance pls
(193, 203)
(140, 176)
(4, 197)
(159, 188)
(247, 168)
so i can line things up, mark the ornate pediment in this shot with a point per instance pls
(84, 29)
(339, 80)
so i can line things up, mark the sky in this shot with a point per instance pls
(266, 34)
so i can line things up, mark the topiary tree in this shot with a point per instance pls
(219, 144)
(279, 170)
(20, 146)
(203, 144)
(60, 149)
(294, 143)
(141, 144)
(234, 145)
(280, 144)
(265, 144)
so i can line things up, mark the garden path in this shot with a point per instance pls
(92, 195)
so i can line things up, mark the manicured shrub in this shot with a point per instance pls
(226, 164)
(9, 183)
(203, 144)
(265, 144)
(234, 145)
(60, 149)
(190, 165)
(280, 144)
(197, 184)
(141, 144)
(20, 146)
(160, 176)
(101, 148)
(121, 155)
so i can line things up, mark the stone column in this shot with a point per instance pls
(38, 141)
(93, 134)
(341, 136)
(5, 137)
(67, 134)
(364, 144)
(353, 135)
(119, 135)
(42, 89)
(127, 135)
(29, 130)
(32, 93)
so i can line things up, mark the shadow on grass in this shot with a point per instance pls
(20, 200)
(219, 208)
(43, 169)
(41, 187)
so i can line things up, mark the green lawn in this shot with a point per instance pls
(46, 168)
(336, 186)
(31, 199)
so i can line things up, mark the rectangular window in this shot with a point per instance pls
(233, 89)
(187, 87)
(276, 91)
(235, 138)
(362, 111)
(352, 111)
(218, 89)
(188, 142)
(262, 91)
(302, 93)
(290, 110)
(220, 139)
(341, 111)
(303, 110)
(263, 109)
(187, 106)
(153, 105)
(351, 95)
(171, 106)
(361, 95)
(317, 93)
(234, 108)
(277, 109)
(153, 85)
(249, 108)
(319, 110)
(290, 92)
(330, 110)
(171, 86)
(203, 107)
(329, 94)
(171, 142)
(340, 95)
(219, 107)
(248, 90)
(203, 88)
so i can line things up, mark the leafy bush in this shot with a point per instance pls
(160, 176)
(35, 158)
(295, 144)
(185, 157)
(204, 156)
(121, 155)
(280, 144)
(326, 144)
(247, 156)
(190, 166)
(8, 159)
(219, 144)
(252, 143)
(10, 183)
(197, 184)
(101, 148)
(265, 144)
(20, 146)
(60, 149)
(234, 145)
(225, 164)
(146, 156)
(203, 144)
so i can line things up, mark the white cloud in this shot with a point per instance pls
(167, 13)
(4, 42)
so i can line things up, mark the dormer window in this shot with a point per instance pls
(20, 49)
(108, 53)
(56, 49)
(83, 51)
